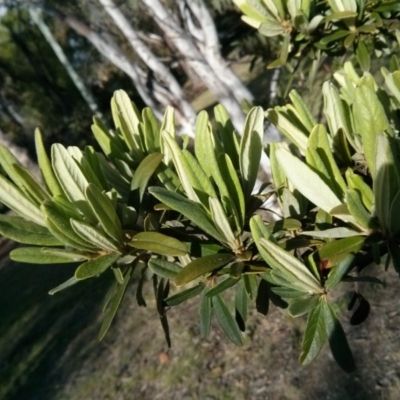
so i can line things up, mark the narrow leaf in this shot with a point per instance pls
(96, 266)
(202, 266)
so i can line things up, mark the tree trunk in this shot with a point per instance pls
(188, 49)
(78, 82)
(162, 74)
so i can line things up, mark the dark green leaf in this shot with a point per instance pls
(158, 243)
(315, 334)
(221, 286)
(115, 302)
(301, 306)
(361, 313)
(187, 294)
(226, 321)
(337, 340)
(262, 299)
(163, 268)
(339, 271)
(202, 266)
(205, 313)
(96, 266)
(144, 172)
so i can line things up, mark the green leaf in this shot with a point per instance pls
(158, 243)
(205, 313)
(151, 130)
(45, 166)
(71, 179)
(333, 233)
(370, 121)
(67, 236)
(307, 182)
(337, 340)
(221, 221)
(31, 185)
(175, 152)
(96, 266)
(163, 268)
(251, 149)
(202, 266)
(315, 334)
(36, 255)
(336, 251)
(242, 301)
(228, 135)
(386, 180)
(286, 123)
(16, 201)
(283, 261)
(127, 120)
(288, 293)
(105, 212)
(356, 182)
(226, 320)
(7, 162)
(363, 57)
(65, 285)
(358, 211)
(93, 236)
(187, 294)
(189, 209)
(318, 141)
(301, 306)
(27, 232)
(304, 113)
(339, 271)
(197, 177)
(116, 301)
(221, 286)
(234, 188)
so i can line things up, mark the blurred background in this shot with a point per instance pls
(60, 62)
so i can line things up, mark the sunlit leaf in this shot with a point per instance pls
(163, 268)
(27, 232)
(35, 255)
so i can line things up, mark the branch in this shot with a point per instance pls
(163, 74)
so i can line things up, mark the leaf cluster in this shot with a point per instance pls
(189, 222)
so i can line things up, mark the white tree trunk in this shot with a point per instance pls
(209, 46)
(162, 73)
(78, 82)
(188, 49)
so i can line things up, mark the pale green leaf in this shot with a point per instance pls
(251, 149)
(306, 181)
(333, 233)
(27, 232)
(36, 255)
(105, 212)
(144, 172)
(45, 166)
(65, 285)
(13, 198)
(93, 236)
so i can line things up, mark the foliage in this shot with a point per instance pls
(328, 27)
(190, 223)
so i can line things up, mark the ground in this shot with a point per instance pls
(49, 348)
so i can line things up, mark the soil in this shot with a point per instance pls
(49, 348)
